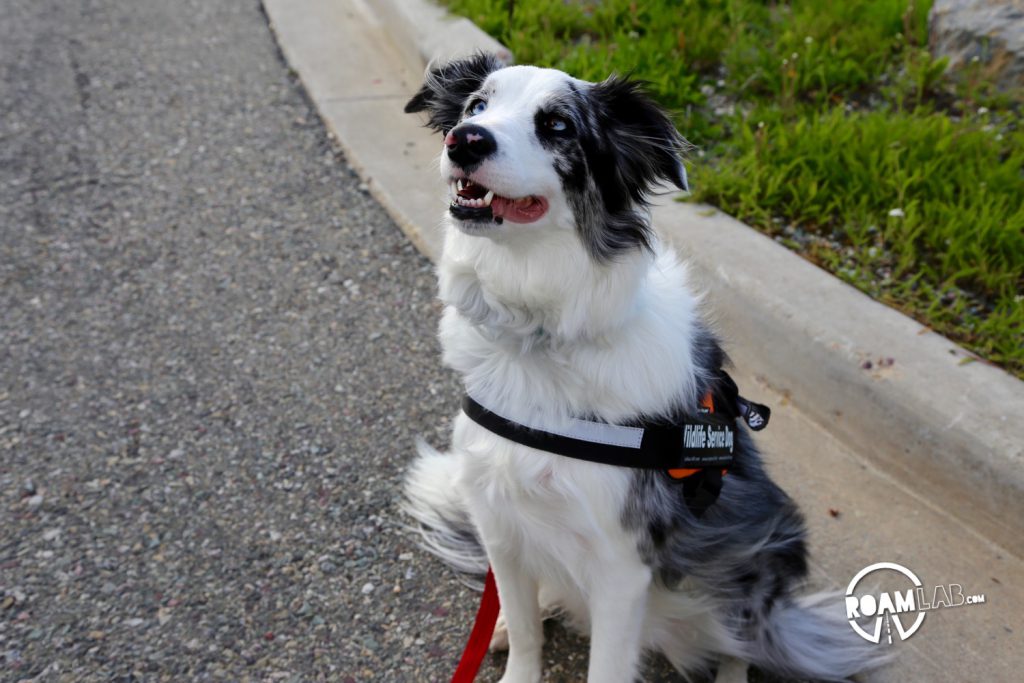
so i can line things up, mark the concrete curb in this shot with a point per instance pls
(950, 430)
(429, 33)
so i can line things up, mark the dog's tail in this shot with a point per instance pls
(810, 637)
(442, 520)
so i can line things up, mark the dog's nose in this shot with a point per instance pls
(469, 144)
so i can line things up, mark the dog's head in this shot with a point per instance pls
(540, 150)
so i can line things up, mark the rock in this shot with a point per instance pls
(989, 32)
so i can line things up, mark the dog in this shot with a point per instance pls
(562, 306)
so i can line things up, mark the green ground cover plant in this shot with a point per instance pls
(829, 126)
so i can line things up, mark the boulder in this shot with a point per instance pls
(989, 32)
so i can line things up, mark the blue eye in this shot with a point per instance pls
(556, 123)
(477, 108)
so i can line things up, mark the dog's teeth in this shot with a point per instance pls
(460, 186)
(488, 197)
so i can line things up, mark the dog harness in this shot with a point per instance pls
(695, 450)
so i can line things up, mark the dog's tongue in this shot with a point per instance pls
(525, 210)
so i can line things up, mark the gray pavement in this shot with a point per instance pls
(216, 352)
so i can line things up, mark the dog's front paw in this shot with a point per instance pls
(532, 676)
(523, 667)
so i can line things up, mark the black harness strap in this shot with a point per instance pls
(663, 447)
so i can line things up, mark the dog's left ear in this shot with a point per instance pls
(447, 87)
(647, 147)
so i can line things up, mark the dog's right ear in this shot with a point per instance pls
(447, 87)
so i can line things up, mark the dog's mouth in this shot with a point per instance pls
(474, 202)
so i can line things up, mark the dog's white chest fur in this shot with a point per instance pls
(543, 343)
(533, 329)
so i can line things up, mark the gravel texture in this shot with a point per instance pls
(216, 353)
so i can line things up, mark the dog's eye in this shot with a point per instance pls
(477, 108)
(556, 124)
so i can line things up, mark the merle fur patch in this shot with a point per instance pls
(621, 146)
(749, 547)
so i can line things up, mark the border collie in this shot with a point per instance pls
(561, 304)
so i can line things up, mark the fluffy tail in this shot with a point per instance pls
(442, 520)
(809, 637)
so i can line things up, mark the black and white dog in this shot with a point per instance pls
(561, 304)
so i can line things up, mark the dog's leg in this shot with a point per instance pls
(518, 593)
(617, 604)
(731, 670)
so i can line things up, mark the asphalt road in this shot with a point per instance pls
(216, 353)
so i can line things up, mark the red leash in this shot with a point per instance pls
(480, 637)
